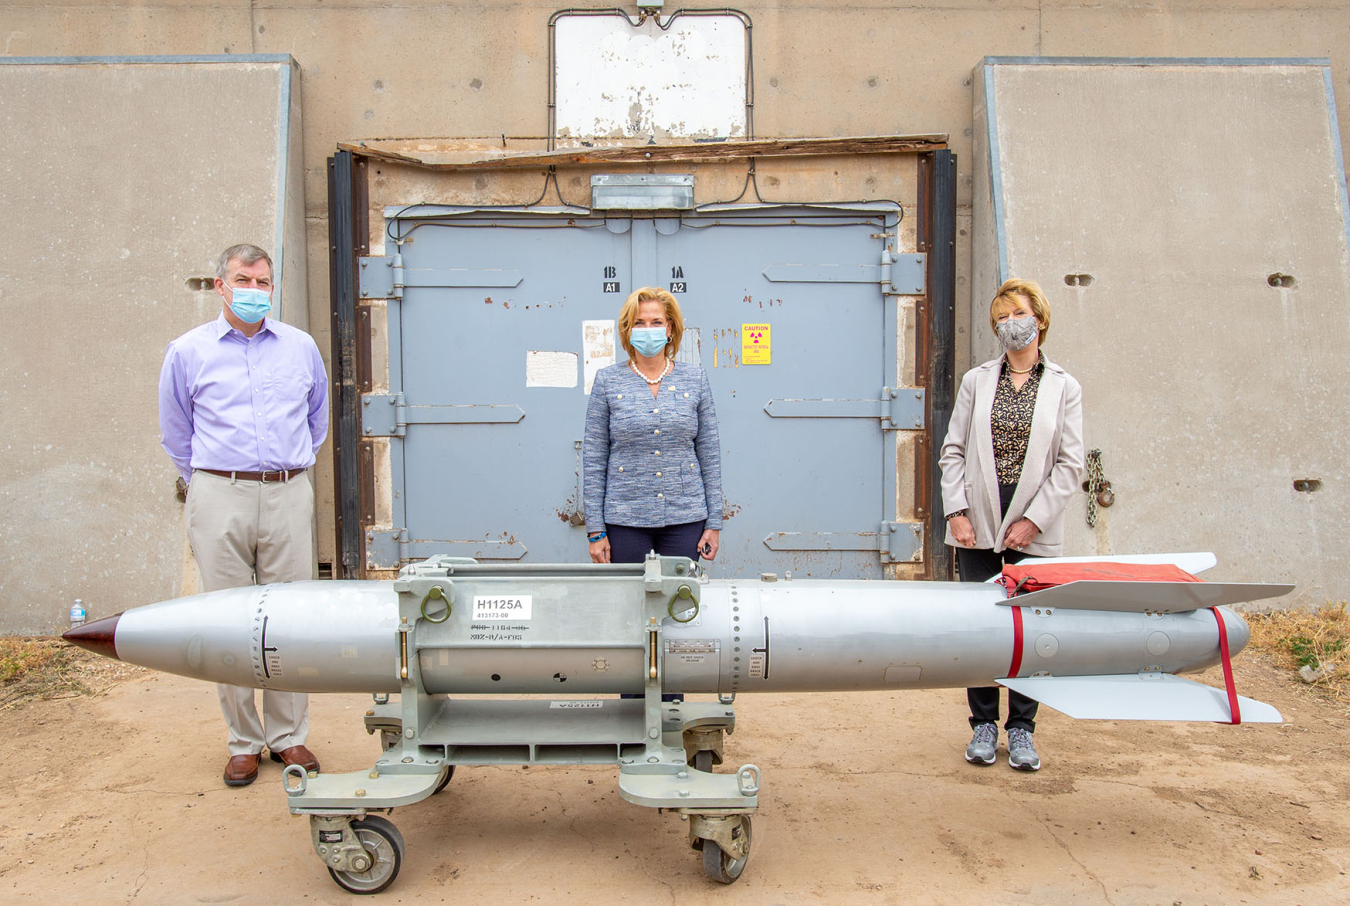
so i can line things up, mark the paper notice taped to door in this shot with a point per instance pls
(597, 349)
(544, 368)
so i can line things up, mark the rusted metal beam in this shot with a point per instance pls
(348, 240)
(701, 152)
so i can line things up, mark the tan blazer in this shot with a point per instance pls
(1051, 471)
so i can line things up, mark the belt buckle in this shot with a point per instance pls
(280, 473)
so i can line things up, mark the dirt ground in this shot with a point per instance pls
(117, 798)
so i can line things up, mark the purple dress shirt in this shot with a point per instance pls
(240, 404)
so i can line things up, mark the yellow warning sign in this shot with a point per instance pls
(755, 344)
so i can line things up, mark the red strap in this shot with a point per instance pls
(1227, 669)
(1017, 642)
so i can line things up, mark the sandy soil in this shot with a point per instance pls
(117, 798)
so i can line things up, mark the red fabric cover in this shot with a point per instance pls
(1040, 576)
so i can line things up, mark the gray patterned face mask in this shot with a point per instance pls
(1017, 333)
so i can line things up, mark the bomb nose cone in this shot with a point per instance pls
(98, 636)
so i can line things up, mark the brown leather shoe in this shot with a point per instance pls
(241, 770)
(296, 755)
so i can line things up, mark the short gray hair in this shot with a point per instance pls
(245, 253)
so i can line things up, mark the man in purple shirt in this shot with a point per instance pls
(243, 407)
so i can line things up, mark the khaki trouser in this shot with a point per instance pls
(246, 533)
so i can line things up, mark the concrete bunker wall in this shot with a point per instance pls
(1200, 290)
(118, 213)
(448, 69)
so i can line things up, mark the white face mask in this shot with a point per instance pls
(1017, 333)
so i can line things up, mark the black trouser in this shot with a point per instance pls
(977, 566)
(631, 544)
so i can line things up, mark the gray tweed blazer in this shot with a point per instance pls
(649, 462)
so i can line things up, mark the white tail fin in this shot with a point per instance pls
(1143, 696)
(1146, 597)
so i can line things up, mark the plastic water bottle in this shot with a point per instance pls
(77, 613)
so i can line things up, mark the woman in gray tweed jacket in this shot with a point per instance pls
(652, 461)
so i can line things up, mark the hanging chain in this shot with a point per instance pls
(1094, 485)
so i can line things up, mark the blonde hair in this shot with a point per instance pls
(629, 311)
(1005, 300)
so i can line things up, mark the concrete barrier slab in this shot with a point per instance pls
(1188, 221)
(121, 179)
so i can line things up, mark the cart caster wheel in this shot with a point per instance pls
(719, 865)
(449, 772)
(385, 845)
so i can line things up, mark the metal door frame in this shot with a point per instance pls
(351, 354)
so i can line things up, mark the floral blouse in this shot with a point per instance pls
(1010, 421)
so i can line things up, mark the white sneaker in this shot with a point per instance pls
(983, 745)
(1022, 751)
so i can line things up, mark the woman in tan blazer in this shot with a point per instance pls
(1012, 458)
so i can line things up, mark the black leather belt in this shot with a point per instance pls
(269, 475)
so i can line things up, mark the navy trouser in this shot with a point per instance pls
(631, 544)
(977, 566)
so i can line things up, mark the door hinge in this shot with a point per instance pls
(383, 415)
(392, 549)
(903, 273)
(900, 542)
(896, 542)
(381, 277)
(899, 273)
(387, 415)
(902, 407)
(386, 549)
(899, 408)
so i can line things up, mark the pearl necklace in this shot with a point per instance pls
(1026, 371)
(659, 378)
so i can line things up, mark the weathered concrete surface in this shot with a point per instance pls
(120, 183)
(1181, 190)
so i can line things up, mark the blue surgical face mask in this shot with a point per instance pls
(250, 305)
(648, 341)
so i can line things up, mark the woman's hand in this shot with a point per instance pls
(600, 551)
(1020, 534)
(707, 545)
(962, 531)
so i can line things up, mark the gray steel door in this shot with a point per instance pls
(486, 456)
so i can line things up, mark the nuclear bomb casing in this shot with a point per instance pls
(577, 629)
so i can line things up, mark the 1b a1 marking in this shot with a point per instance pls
(610, 285)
